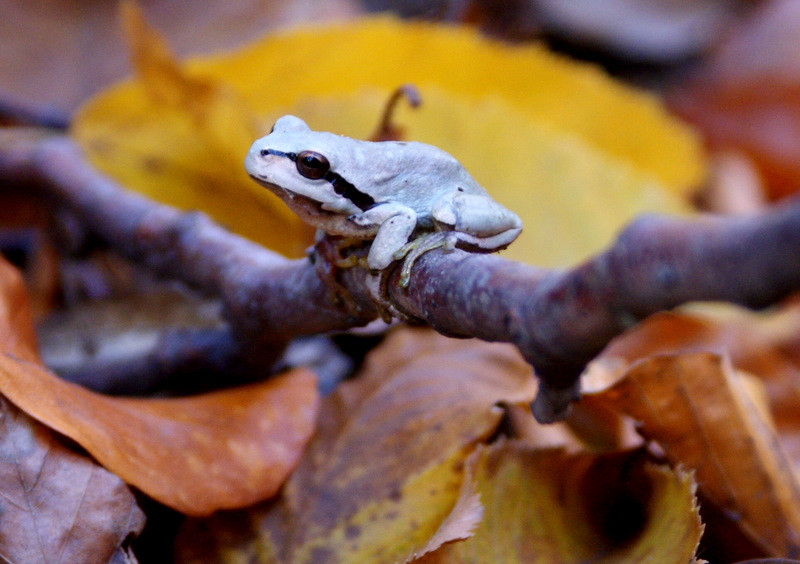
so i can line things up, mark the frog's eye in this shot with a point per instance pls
(312, 165)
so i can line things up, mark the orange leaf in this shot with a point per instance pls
(754, 342)
(198, 454)
(383, 478)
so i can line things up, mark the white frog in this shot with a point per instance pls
(407, 197)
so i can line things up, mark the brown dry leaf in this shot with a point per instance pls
(745, 97)
(198, 454)
(543, 505)
(57, 505)
(697, 408)
(757, 343)
(383, 478)
(590, 426)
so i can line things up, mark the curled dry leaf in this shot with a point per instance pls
(383, 479)
(198, 454)
(760, 344)
(697, 408)
(543, 505)
(558, 154)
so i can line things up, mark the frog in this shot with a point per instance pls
(407, 197)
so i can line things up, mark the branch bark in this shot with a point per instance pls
(558, 319)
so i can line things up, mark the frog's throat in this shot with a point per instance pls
(310, 211)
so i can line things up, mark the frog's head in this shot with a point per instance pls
(295, 162)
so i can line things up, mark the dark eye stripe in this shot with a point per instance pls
(291, 156)
(341, 186)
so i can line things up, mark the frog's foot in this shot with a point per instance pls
(446, 240)
(326, 255)
(339, 245)
(376, 285)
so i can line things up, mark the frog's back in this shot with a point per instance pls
(410, 172)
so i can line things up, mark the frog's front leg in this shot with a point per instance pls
(394, 223)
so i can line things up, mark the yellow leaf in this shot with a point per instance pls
(382, 53)
(573, 152)
(180, 138)
(546, 506)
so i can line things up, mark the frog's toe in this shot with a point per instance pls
(359, 219)
(376, 286)
(446, 240)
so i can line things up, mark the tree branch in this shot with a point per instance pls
(558, 319)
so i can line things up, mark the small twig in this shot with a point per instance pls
(387, 130)
(558, 319)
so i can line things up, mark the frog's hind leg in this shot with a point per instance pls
(482, 224)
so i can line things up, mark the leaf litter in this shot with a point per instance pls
(196, 454)
(400, 470)
(306, 521)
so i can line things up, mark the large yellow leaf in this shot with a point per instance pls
(382, 53)
(574, 153)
